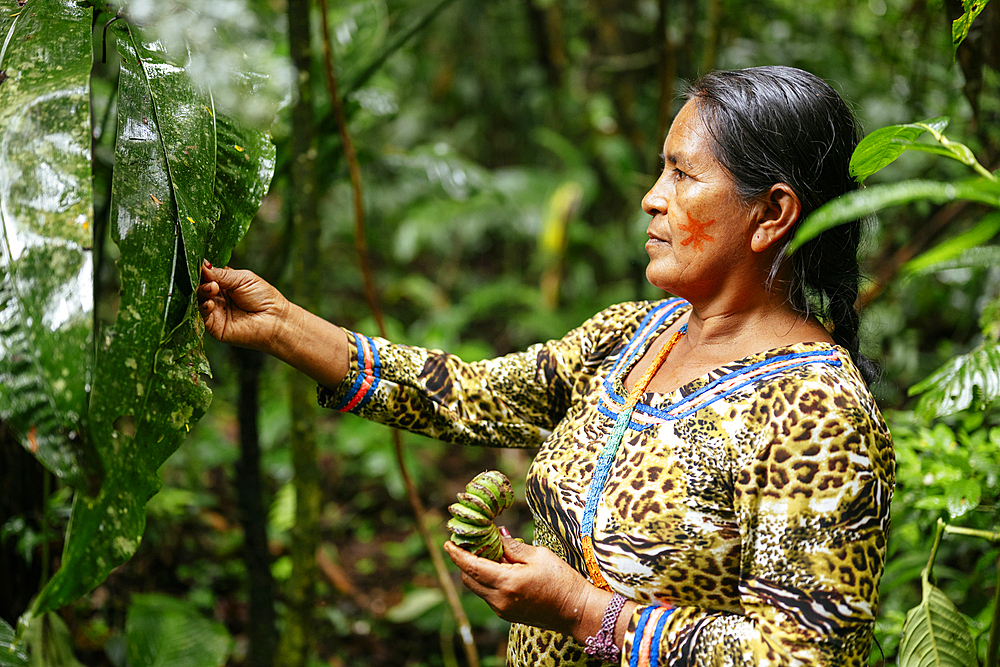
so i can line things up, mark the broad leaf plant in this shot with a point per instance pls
(103, 396)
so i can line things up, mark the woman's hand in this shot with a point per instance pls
(534, 587)
(240, 308)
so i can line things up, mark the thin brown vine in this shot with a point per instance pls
(361, 248)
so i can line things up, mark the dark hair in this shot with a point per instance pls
(783, 125)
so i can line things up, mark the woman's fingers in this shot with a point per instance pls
(206, 271)
(476, 574)
(514, 550)
(470, 564)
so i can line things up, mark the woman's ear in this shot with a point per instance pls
(779, 211)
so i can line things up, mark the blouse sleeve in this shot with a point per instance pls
(511, 401)
(812, 501)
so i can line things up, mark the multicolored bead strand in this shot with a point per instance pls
(607, 457)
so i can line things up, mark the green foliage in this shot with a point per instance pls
(162, 631)
(49, 642)
(960, 26)
(962, 250)
(968, 381)
(946, 468)
(491, 132)
(881, 147)
(949, 470)
(11, 654)
(877, 197)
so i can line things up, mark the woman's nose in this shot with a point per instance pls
(655, 200)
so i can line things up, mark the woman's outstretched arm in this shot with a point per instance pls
(241, 308)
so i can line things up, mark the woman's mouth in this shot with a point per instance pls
(654, 239)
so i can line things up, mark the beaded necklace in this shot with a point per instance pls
(607, 457)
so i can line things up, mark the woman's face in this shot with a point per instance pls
(700, 230)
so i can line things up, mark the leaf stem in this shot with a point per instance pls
(969, 159)
(972, 532)
(926, 575)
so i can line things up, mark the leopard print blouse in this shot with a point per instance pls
(745, 512)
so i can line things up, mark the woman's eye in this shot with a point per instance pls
(678, 174)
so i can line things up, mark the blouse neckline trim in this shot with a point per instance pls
(737, 374)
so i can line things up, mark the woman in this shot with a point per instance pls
(714, 478)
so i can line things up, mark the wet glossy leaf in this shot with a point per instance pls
(962, 496)
(877, 197)
(935, 634)
(245, 160)
(46, 210)
(148, 386)
(968, 381)
(11, 655)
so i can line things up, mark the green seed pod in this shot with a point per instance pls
(488, 494)
(472, 500)
(466, 529)
(493, 549)
(470, 514)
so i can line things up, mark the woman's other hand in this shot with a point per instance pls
(240, 308)
(534, 587)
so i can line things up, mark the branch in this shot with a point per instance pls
(393, 46)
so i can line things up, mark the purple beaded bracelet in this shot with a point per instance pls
(602, 645)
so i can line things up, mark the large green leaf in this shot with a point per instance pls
(162, 631)
(245, 162)
(982, 257)
(147, 387)
(884, 145)
(866, 201)
(953, 248)
(46, 211)
(968, 381)
(935, 634)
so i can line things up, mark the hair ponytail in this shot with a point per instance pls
(784, 125)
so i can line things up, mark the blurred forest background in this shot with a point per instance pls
(504, 147)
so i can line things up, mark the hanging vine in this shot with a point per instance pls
(361, 249)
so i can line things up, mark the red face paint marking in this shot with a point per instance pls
(697, 231)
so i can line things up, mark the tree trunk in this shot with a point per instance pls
(261, 630)
(710, 49)
(297, 639)
(22, 498)
(546, 26)
(666, 72)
